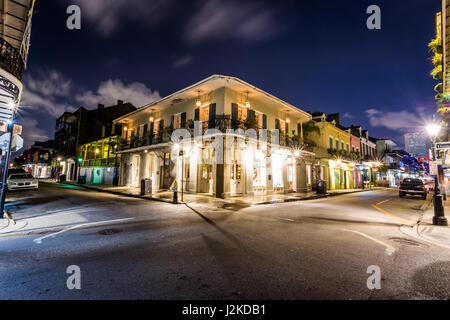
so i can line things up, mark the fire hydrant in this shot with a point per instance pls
(175, 193)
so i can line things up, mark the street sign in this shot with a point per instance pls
(17, 129)
(434, 168)
(17, 143)
(3, 126)
(442, 145)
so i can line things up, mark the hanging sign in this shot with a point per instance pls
(442, 145)
(17, 129)
(433, 168)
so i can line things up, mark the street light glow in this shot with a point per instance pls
(433, 129)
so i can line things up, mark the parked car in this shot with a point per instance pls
(20, 181)
(14, 171)
(414, 187)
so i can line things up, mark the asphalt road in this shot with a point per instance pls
(317, 249)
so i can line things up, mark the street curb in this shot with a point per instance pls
(315, 197)
(118, 193)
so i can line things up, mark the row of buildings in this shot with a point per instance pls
(222, 137)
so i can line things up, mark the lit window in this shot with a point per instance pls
(242, 113)
(204, 114)
(177, 121)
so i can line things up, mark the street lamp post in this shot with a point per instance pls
(182, 174)
(439, 218)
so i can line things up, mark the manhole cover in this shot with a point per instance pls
(408, 242)
(108, 232)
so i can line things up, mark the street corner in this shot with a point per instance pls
(8, 226)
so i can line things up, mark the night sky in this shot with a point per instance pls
(316, 55)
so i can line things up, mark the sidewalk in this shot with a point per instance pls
(428, 231)
(167, 196)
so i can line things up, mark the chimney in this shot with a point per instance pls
(101, 106)
(119, 102)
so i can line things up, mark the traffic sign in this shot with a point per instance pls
(434, 168)
(442, 145)
(3, 126)
(17, 129)
(17, 143)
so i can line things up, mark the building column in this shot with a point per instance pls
(269, 173)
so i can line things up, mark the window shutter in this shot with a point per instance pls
(152, 127)
(277, 124)
(197, 115)
(251, 115)
(183, 120)
(264, 121)
(145, 128)
(234, 115)
(212, 116)
(287, 128)
(171, 121)
(161, 126)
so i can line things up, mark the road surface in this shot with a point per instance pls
(318, 249)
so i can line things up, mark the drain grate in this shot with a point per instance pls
(109, 232)
(407, 242)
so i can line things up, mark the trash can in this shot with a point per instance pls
(321, 187)
(82, 180)
(146, 186)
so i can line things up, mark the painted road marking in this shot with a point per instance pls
(98, 223)
(376, 206)
(285, 219)
(390, 250)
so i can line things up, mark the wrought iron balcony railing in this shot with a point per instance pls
(11, 59)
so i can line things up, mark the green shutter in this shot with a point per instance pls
(234, 115)
(277, 124)
(197, 115)
(264, 121)
(251, 115)
(212, 116)
(183, 120)
(152, 127)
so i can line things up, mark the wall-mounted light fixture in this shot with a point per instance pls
(151, 119)
(199, 102)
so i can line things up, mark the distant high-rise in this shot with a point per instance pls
(416, 144)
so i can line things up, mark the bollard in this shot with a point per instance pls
(439, 215)
(175, 196)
